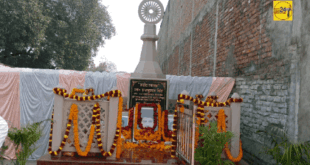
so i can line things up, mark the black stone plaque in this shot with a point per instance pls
(148, 91)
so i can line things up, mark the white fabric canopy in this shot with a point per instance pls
(3, 130)
(100, 82)
(36, 103)
(193, 85)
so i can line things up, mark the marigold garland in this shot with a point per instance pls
(167, 134)
(174, 133)
(75, 112)
(144, 134)
(62, 92)
(55, 153)
(221, 126)
(159, 146)
(210, 101)
(126, 131)
(89, 90)
(117, 133)
(96, 121)
(155, 115)
(119, 126)
(75, 90)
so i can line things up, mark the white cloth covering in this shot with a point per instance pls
(36, 103)
(193, 85)
(3, 130)
(100, 82)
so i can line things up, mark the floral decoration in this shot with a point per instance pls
(210, 101)
(75, 90)
(140, 118)
(126, 131)
(221, 127)
(174, 133)
(75, 112)
(96, 122)
(89, 90)
(62, 92)
(167, 134)
(146, 133)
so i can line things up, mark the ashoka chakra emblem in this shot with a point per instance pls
(151, 11)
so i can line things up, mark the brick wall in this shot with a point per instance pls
(238, 38)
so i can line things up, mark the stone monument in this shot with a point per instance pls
(148, 84)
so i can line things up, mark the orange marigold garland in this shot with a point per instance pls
(62, 92)
(210, 101)
(144, 134)
(119, 127)
(89, 90)
(55, 153)
(117, 133)
(75, 90)
(221, 127)
(126, 131)
(167, 134)
(155, 115)
(199, 114)
(96, 114)
(174, 133)
(75, 110)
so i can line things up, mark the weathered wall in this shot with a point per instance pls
(238, 38)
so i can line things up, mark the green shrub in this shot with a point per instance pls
(26, 137)
(283, 150)
(213, 145)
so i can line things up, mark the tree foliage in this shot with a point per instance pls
(104, 66)
(52, 33)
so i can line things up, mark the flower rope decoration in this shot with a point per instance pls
(200, 96)
(126, 131)
(75, 112)
(62, 92)
(140, 118)
(221, 127)
(147, 133)
(166, 133)
(119, 127)
(55, 153)
(96, 121)
(117, 137)
(89, 90)
(174, 133)
(159, 146)
(199, 115)
(75, 90)
(210, 101)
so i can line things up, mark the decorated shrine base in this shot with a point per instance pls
(133, 156)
